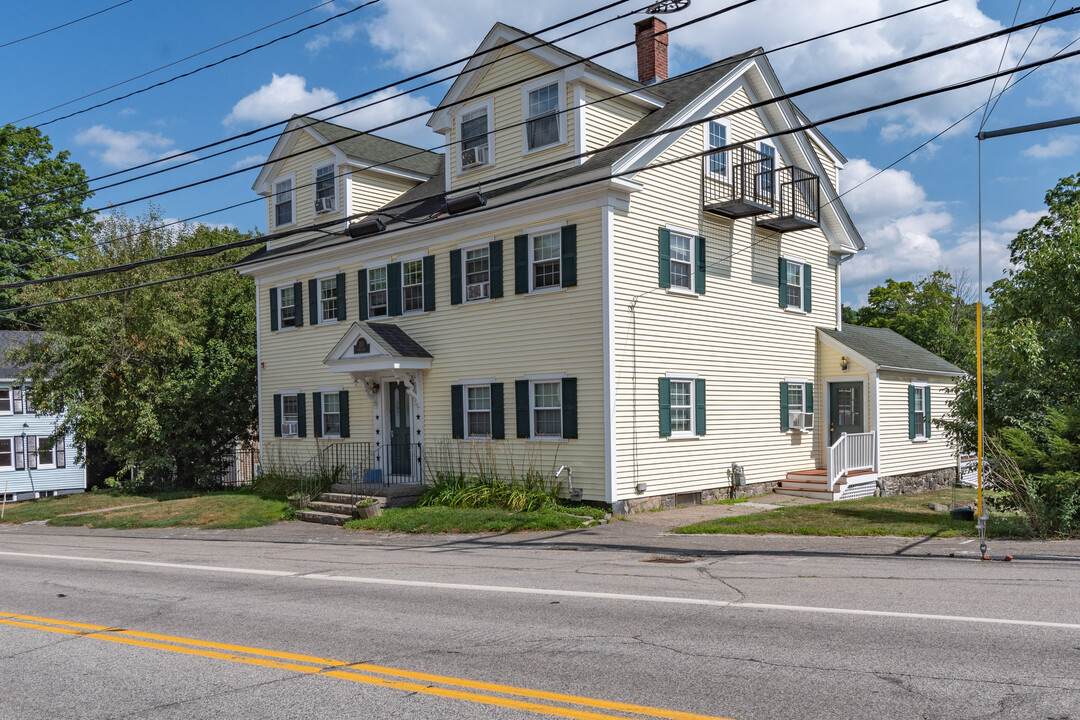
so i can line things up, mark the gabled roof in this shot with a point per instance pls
(378, 150)
(889, 350)
(397, 341)
(10, 340)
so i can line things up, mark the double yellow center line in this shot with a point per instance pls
(484, 693)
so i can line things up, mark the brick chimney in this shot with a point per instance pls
(651, 50)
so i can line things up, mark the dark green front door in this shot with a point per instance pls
(400, 439)
(845, 409)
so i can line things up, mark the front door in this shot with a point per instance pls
(845, 409)
(400, 438)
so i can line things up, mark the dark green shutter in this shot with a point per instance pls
(343, 408)
(521, 265)
(277, 416)
(911, 412)
(926, 409)
(457, 412)
(699, 406)
(783, 283)
(569, 408)
(521, 393)
(429, 283)
(495, 268)
(314, 302)
(273, 309)
(665, 257)
(341, 312)
(498, 416)
(301, 415)
(699, 273)
(455, 277)
(808, 398)
(665, 407)
(806, 288)
(361, 286)
(569, 255)
(393, 289)
(784, 420)
(298, 303)
(316, 413)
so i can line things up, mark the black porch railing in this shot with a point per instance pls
(738, 182)
(361, 467)
(798, 201)
(240, 468)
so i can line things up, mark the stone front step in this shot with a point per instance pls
(330, 507)
(323, 517)
(396, 494)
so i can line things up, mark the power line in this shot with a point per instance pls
(606, 98)
(899, 63)
(63, 25)
(544, 193)
(1022, 56)
(208, 66)
(174, 62)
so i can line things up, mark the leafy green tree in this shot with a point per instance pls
(933, 312)
(33, 226)
(164, 377)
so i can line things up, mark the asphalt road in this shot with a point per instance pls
(298, 621)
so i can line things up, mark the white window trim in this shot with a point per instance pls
(489, 106)
(691, 378)
(920, 428)
(41, 465)
(315, 188)
(560, 112)
(532, 234)
(13, 440)
(792, 260)
(803, 382)
(726, 175)
(323, 392)
(318, 284)
(367, 300)
(280, 325)
(423, 309)
(465, 249)
(532, 407)
(273, 200)
(693, 260)
(11, 401)
(465, 408)
(284, 394)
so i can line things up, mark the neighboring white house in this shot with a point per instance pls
(575, 284)
(34, 461)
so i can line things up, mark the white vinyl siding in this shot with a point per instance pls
(898, 454)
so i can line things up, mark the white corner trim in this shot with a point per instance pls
(607, 249)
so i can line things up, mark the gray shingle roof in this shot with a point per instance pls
(889, 349)
(10, 339)
(397, 340)
(376, 150)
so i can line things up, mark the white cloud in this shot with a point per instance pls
(1061, 146)
(125, 149)
(1019, 220)
(249, 161)
(126, 112)
(287, 95)
(280, 99)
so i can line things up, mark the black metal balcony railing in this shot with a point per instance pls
(738, 182)
(798, 195)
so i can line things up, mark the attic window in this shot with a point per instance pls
(361, 347)
(283, 214)
(325, 189)
(542, 127)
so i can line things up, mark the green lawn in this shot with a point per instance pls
(440, 519)
(900, 515)
(46, 508)
(232, 510)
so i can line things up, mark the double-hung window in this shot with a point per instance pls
(547, 409)
(329, 294)
(7, 453)
(283, 202)
(290, 415)
(478, 411)
(474, 138)
(542, 127)
(287, 307)
(682, 406)
(477, 273)
(5, 401)
(765, 169)
(718, 161)
(919, 412)
(325, 189)
(46, 453)
(377, 292)
(546, 260)
(796, 405)
(682, 261)
(331, 414)
(794, 284)
(412, 285)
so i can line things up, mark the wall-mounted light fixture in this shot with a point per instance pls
(843, 363)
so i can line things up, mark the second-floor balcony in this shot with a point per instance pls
(798, 201)
(738, 182)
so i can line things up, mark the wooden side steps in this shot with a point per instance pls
(815, 484)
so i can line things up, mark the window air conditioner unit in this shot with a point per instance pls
(802, 421)
(474, 156)
(289, 428)
(324, 204)
(478, 291)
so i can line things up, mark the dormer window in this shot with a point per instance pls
(283, 195)
(542, 127)
(325, 189)
(475, 149)
(361, 347)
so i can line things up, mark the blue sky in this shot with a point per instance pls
(916, 217)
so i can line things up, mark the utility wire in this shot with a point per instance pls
(544, 193)
(174, 62)
(189, 73)
(63, 25)
(1022, 56)
(899, 63)
(1001, 61)
(606, 98)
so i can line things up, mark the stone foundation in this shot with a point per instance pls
(697, 497)
(916, 482)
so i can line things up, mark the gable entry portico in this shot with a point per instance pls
(390, 365)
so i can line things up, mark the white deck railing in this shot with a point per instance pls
(851, 453)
